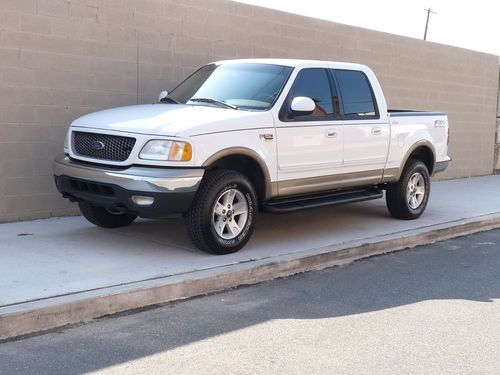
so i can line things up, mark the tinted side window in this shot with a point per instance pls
(314, 84)
(357, 96)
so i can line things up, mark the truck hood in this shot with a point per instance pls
(173, 119)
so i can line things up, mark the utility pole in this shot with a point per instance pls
(429, 11)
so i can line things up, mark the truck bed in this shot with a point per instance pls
(421, 126)
(412, 112)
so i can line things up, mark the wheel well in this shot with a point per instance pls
(424, 154)
(246, 165)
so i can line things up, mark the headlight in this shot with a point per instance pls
(166, 150)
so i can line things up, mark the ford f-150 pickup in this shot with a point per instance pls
(241, 136)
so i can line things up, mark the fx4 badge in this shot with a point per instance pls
(439, 123)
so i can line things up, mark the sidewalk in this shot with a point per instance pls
(58, 271)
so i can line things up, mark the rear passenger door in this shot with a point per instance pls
(309, 145)
(366, 132)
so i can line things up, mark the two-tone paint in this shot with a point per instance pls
(295, 158)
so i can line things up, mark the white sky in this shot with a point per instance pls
(468, 24)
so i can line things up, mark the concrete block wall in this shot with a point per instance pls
(60, 59)
(497, 145)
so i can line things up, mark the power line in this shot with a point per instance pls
(429, 11)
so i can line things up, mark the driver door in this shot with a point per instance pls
(310, 147)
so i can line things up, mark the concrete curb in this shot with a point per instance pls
(55, 312)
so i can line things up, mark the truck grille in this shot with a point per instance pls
(102, 146)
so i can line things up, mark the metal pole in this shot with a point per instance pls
(429, 11)
(137, 65)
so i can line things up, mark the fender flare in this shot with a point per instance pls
(421, 143)
(270, 188)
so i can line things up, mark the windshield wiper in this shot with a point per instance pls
(169, 100)
(213, 101)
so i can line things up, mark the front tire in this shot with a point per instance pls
(104, 217)
(407, 198)
(222, 216)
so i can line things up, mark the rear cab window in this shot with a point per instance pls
(357, 97)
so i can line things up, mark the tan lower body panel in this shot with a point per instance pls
(390, 175)
(330, 182)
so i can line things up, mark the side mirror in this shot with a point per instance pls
(302, 105)
(163, 95)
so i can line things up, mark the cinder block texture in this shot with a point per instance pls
(497, 146)
(60, 59)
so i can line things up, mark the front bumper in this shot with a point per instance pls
(172, 189)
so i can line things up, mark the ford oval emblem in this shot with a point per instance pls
(97, 145)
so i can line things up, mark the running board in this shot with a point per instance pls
(320, 200)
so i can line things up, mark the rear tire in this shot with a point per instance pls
(221, 218)
(407, 198)
(105, 218)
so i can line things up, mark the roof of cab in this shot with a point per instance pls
(293, 63)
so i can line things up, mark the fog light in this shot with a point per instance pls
(142, 200)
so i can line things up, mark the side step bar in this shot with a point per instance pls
(320, 200)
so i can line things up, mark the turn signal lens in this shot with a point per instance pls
(66, 142)
(180, 151)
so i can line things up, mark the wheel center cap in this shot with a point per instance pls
(229, 213)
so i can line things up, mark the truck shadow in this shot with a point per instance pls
(304, 229)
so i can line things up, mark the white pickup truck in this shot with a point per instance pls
(241, 136)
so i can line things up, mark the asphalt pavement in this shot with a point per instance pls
(430, 310)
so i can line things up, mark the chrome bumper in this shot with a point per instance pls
(153, 180)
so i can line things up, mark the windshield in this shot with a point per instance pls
(240, 86)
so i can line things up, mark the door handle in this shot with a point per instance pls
(376, 131)
(331, 134)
